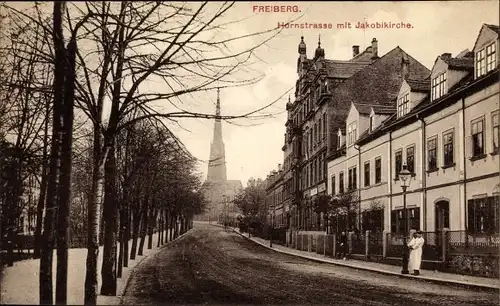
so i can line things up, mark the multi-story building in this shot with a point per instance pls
(277, 209)
(324, 90)
(445, 128)
(307, 128)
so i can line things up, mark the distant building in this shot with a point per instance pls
(217, 189)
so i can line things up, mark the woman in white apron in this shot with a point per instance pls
(415, 245)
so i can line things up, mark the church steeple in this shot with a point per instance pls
(217, 162)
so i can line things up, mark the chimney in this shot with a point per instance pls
(355, 51)
(279, 167)
(405, 66)
(374, 48)
(446, 55)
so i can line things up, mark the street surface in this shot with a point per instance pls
(210, 266)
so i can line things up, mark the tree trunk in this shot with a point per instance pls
(122, 242)
(65, 178)
(135, 233)
(176, 226)
(47, 250)
(172, 227)
(151, 227)
(166, 226)
(43, 185)
(144, 227)
(160, 230)
(126, 237)
(110, 212)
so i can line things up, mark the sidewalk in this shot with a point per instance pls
(19, 284)
(426, 275)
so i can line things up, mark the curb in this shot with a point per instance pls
(127, 279)
(420, 278)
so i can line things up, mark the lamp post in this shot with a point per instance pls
(271, 231)
(405, 178)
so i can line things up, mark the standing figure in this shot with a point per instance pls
(415, 245)
(343, 245)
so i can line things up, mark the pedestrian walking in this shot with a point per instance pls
(416, 244)
(343, 245)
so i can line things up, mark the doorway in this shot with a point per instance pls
(442, 210)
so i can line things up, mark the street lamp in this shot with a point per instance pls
(405, 179)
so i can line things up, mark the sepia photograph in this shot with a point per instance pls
(250, 153)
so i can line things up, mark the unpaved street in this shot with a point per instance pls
(209, 266)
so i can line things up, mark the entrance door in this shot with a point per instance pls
(442, 222)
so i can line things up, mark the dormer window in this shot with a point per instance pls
(372, 123)
(439, 86)
(491, 58)
(339, 140)
(403, 105)
(351, 133)
(480, 63)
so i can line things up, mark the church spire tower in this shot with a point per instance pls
(217, 163)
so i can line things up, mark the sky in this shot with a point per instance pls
(253, 151)
(253, 147)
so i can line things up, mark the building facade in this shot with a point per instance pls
(445, 128)
(324, 91)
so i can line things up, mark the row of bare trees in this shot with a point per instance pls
(79, 113)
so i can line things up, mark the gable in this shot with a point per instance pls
(405, 88)
(486, 36)
(439, 67)
(353, 114)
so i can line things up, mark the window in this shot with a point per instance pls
(341, 182)
(496, 131)
(351, 136)
(352, 179)
(398, 159)
(315, 134)
(439, 86)
(477, 137)
(448, 158)
(333, 185)
(397, 220)
(491, 59)
(320, 165)
(325, 86)
(480, 63)
(320, 130)
(483, 215)
(373, 220)
(372, 123)
(432, 154)
(410, 159)
(403, 105)
(339, 141)
(324, 125)
(378, 170)
(367, 174)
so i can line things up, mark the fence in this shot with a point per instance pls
(451, 251)
(358, 243)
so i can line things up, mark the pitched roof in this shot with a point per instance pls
(493, 27)
(384, 110)
(378, 83)
(419, 85)
(344, 69)
(364, 109)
